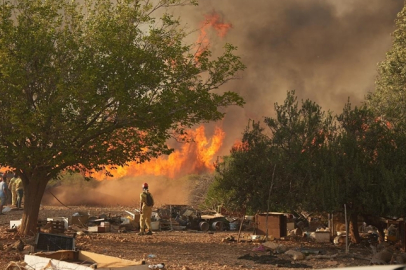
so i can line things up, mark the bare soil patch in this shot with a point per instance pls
(188, 249)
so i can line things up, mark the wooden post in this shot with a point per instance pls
(239, 231)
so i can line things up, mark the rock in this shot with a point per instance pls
(275, 247)
(271, 245)
(281, 249)
(331, 263)
(296, 255)
(400, 258)
(381, 257)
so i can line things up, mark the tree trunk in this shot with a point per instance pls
(354, 233)
(33, 191)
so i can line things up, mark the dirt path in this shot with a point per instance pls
(189, 249)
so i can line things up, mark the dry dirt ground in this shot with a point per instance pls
(188, 250)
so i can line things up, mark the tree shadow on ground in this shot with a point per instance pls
(273, 260)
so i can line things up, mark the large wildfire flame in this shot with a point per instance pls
(215, 22)
(188, 158)
(194, 157)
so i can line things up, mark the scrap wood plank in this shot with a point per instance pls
(40, 263)
(59, 255)
(87, 261)
(106, 261)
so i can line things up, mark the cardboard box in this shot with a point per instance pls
(15, 223)
(275, 224)
(97, 229)
(80, 260)
(106, 226)
(290, 226)
(322, 237)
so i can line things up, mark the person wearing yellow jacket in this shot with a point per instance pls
(12, 188)
(146, 210)
(20, 191)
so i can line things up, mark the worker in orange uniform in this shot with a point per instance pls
(146, 204)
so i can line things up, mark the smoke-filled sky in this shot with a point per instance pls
(325, 50)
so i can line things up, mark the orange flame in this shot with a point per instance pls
(212, 21)
(191, 157)
(195, 157)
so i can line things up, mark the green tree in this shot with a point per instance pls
(389, 98)
(369, 173)
(243, 179)
(388, 103)
(277, 170)
(86, 86)
(298, 134)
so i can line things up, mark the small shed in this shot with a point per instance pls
(276, 223)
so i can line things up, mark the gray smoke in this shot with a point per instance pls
(326, 50)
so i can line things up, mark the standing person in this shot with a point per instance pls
(7, 190)
(12, 188)
(3, 194)
(8, 175)
(146, 203)
(20, 191)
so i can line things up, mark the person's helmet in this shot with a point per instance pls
(145, 186)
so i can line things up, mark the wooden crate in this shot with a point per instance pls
(273, 223)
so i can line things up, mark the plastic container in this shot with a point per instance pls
(156, 266)
(155, 225)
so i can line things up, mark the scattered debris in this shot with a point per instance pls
(79, 260)
(259, 248)
(18, 245)
(229, 238)
(382, 257)
(296, 255)
(17, 266)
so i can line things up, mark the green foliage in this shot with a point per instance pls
(299, 134)
(316, 162)
(387, 142)
(90, 84)
(370, 159)
(389, 98)
(243, 179)
(85, 86)
(274, 172)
